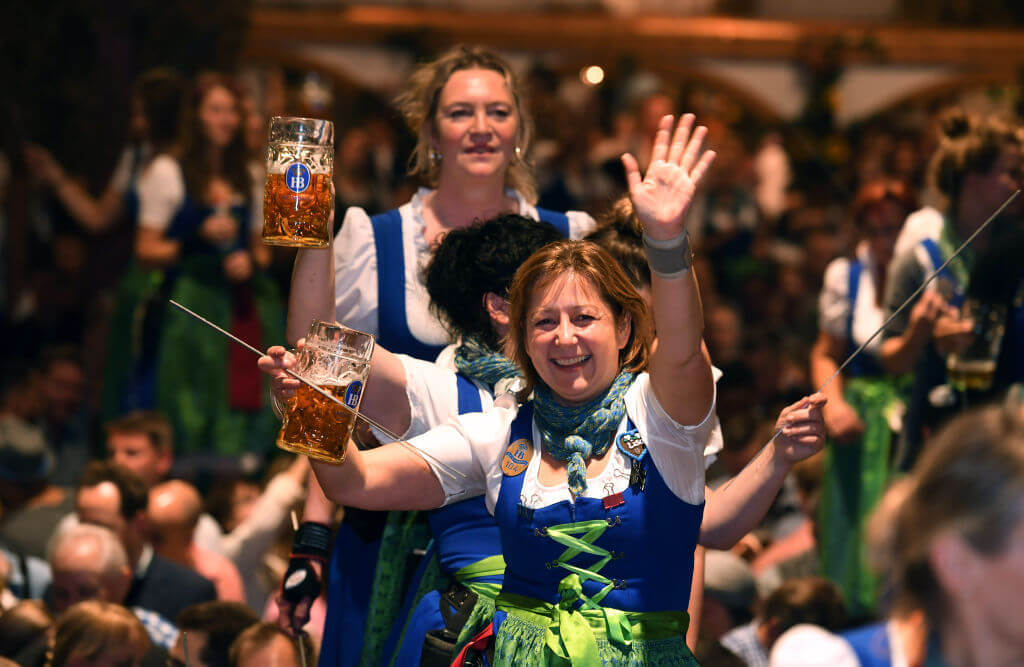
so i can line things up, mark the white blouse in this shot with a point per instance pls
(834, 301)
(355, 267)
(474, 445)
(161, 191)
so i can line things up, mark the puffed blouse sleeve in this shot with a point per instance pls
(161, 191)
(834, 300)
(678, 450)
(355, 273)
(471, 445)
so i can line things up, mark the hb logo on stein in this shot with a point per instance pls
(296, 177)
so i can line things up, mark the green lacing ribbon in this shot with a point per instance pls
(572, 638)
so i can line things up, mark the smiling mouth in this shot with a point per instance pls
(572, 361)
(480, 150)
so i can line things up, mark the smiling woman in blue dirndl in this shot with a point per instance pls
(597, 483)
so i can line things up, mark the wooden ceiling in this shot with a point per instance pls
(652, 40)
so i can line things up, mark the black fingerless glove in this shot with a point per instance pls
(301, 582)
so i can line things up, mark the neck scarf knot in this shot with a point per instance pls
(575, 433)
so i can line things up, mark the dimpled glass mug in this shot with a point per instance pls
(336, 359)
(298, 196)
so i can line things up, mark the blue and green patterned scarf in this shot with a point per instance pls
(479, 362)
(570, 432)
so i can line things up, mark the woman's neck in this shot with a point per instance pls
(456, 203)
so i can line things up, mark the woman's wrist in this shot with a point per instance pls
(669, 258)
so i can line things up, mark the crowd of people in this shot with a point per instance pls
(621, 455)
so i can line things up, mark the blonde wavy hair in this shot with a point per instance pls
(418, 105)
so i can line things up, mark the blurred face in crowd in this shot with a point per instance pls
(137, 453)
(999, 182)
(989, 585)
(78, 575)
(881, 226)
(63, 391)
(476, 124)
(573, 339)
(219, 116)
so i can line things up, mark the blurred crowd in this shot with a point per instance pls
(805, 244)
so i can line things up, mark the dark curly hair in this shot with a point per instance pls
(476, 260)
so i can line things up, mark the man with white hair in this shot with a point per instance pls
(89, 563)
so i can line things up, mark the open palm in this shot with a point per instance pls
(662, 195)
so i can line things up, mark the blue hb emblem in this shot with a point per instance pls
(296, 177)
(352, 394)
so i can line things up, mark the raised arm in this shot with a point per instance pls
(680, 368)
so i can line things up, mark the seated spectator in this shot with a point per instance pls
(89, 563)
(212, 628)
(267, 644)
(730, 594)
(812, 600)
(65, 421)
(114, 498)
(24, 627)
(30, 505)
(98, 634)
(174, 510)
(796, 554)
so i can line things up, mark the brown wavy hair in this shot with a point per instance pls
(90, 629)
(418, 104)
(193, 144)
(590, 262)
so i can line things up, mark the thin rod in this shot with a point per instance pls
(334, 399)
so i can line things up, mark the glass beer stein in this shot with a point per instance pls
(298, 196)
(975, 368)
(336, 359)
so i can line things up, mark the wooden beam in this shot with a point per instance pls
(602, 37)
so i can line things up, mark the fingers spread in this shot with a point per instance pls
(680, 138)
(660, 150)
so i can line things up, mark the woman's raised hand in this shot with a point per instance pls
(662, 195)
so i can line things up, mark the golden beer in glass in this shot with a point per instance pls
(298, 197)
(336, 359)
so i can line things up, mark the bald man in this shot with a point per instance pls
(266, 645)
(174, 509)
(89, 563)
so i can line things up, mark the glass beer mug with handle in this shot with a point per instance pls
(298, 196)
(336, 359)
